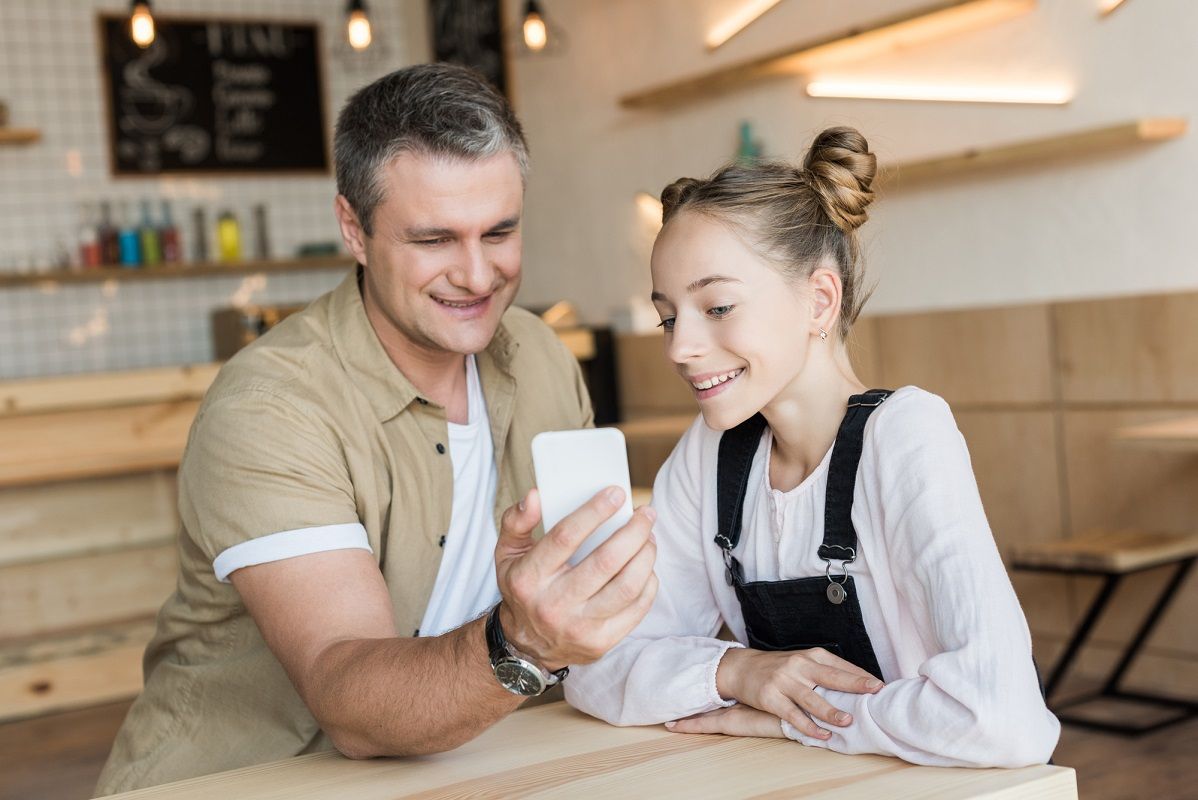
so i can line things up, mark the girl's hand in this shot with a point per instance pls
(735, 720)
(783, 684)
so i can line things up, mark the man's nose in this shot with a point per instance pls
(474, 272)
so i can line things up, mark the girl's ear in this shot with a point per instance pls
(826, 290)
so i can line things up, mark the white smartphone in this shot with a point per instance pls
(572, 467)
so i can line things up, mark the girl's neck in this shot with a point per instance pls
(806, 415)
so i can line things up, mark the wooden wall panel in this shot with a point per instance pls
(1113, 485)
(862, 347)
(974, 357)
(1015, 461)
(68, 593)
(649, 385)
(1129, 349)
(75, 518)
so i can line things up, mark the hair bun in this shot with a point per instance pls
(676, 194)
(841, 170)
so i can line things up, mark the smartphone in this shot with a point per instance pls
(572, 467)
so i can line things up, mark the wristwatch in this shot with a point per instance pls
(514, 671)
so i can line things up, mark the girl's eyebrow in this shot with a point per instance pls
(699, 284)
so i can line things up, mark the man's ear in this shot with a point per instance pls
(351, 229)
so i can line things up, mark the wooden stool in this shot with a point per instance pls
(1112, 555)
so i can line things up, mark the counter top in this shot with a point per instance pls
(555, 751)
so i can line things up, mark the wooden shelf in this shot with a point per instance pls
(911, 29)
(19, 135)
(1152, 129)
(174, 271)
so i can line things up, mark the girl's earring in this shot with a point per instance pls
(823, 334)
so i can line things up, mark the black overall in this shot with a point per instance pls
(822, 611)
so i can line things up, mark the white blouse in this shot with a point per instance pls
(945, 625)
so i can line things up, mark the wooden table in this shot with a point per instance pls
(1179, 435)
(555, 751)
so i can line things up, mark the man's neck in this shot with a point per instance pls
(438, 376)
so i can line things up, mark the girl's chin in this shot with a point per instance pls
(725, 418)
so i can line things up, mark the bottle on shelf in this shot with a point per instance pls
(130, 240)
(110, 246)
(171, 251)
(261, 234)
(199, 224)
(228, 237)
(90, 255)
(151, 244)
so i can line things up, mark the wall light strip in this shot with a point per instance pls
(1046, 94)
(902, 33)
(737, 21)
(1107, 6)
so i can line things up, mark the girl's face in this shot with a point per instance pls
(737, 331)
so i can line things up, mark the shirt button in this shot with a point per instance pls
(422, 401)
(442, 542)
(440, 448)
(416, 632)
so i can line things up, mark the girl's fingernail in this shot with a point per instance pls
(615, 495)
(520, 505)
(650, 514)
(843, 718)
(671, 724)
(874, 684)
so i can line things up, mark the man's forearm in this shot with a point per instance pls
(393, 697)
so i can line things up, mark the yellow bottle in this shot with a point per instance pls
(228, 237)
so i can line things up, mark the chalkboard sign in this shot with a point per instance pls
(470, 32)
(215, 96)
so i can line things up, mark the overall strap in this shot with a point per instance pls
(737, 447)
(840, 538)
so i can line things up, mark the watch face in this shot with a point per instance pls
(519, 678)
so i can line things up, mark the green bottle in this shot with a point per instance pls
(151, 243)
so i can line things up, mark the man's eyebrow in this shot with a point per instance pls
(504, 225)
(699, 284)
(429, 233)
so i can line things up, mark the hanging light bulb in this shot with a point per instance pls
(536, 35)
(357, 25)
(141, 23)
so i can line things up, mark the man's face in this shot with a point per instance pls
(443, 262)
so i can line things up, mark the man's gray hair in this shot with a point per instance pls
(433, 109)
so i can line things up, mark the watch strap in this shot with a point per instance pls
(498, 648)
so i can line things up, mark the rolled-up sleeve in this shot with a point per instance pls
(264, 478)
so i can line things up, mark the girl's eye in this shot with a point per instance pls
(720, 311)
(667, 324)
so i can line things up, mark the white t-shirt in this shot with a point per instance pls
(465, 586)
(939, 609)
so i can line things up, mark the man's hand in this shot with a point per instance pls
(558, 614)
(783, 683)
(738, 720)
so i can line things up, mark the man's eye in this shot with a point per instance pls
(430, 242)
(498, 236)
(667, 324)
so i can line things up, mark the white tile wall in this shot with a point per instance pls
(50, 80)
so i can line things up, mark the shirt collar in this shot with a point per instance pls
(367, 364)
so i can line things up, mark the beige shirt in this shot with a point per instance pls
(312, 426)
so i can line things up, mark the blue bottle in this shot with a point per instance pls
(130, 240)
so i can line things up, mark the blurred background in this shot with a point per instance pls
(166, 197)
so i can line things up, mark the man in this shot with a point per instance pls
(344, 479)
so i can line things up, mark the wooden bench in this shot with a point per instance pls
(1112, 555)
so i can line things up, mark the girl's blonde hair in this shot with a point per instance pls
(798, 219)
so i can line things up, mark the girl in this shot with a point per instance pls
(836, 531)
